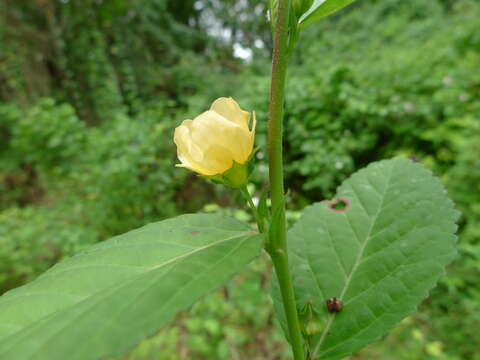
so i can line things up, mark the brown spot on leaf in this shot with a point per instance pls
(339, 204)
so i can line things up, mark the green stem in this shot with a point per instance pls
(278, 246)
(258, 218)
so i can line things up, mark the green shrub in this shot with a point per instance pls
(126, 174)
(48, 136)
(408, 86)
(38, 145)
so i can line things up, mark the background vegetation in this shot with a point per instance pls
(91, 91)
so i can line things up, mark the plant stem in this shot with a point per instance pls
(258, 218)
(278, 246)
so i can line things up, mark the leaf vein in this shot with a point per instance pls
(357, 261)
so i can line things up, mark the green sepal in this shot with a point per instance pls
(216, 179)
(235, 177)
(309, 320)
(305, 315)
(274, 224)
(262, 205)
(311, 325)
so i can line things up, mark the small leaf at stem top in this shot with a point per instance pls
(321, 9)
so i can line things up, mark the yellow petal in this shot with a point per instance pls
(210, 129)
(186, 148)
(230, 110)
(211, 142)
(218, 159)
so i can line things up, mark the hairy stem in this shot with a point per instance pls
(278, 245)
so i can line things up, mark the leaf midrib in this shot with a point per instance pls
(179, 290)
(111, 287)
(357, 260)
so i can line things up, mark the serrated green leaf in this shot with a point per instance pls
(321, 9)
(380, 255)
(104, 300)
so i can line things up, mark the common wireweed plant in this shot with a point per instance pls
(349, 270)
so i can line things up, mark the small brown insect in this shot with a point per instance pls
(334, 305)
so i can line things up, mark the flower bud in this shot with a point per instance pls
(218, 143)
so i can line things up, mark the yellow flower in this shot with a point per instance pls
(216, 140)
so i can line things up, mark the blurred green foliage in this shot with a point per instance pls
(90, 94)
(47, 136)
